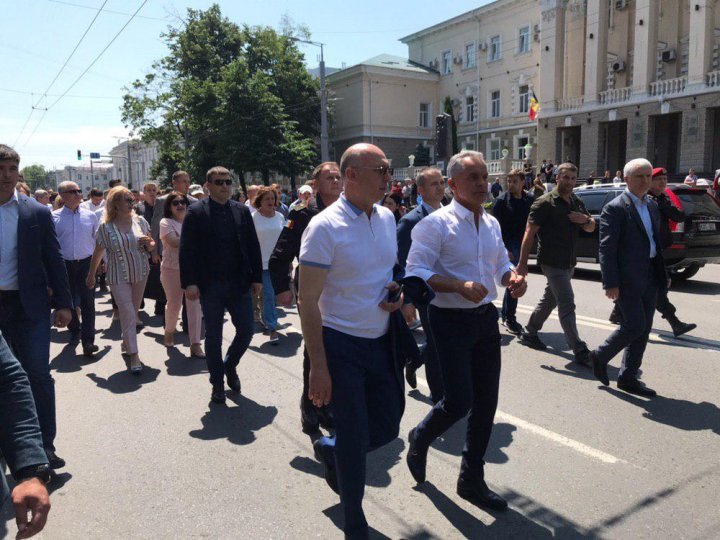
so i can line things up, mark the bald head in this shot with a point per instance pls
(358, 154)
(366, 172)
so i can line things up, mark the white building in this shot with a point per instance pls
(100, 177)
(143, 157)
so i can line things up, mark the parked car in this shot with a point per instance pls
(695, 242)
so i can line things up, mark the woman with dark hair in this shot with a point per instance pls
(393, 202)
(170, 228)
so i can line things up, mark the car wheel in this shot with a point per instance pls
(682, 274)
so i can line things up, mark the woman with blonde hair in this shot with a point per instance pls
(125, 237)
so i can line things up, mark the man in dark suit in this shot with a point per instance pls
(632, 273)
(32, 277)
(219, 262)
(431, 187)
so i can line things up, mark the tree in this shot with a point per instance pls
(422, 155)
(225, 94)
(448, 106)
(35, 176)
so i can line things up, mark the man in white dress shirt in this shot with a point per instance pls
(75, 227)
(459, 251)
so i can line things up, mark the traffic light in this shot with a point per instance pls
(79, 155)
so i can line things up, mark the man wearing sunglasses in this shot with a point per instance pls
(76, 227)
(219, 262)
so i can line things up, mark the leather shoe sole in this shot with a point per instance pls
(416, 460)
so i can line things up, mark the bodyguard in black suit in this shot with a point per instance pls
(431, 187)
(32, 277)
(632, 273)
(219, 263)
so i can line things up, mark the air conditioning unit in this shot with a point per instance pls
(482, 46)
(621, 4)
(457, 60)
(669, 55)
(618, 65)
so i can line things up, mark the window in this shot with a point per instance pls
(524, 40)
(469, 145)
(424, 116)
(594, 202)
(446, 62)
(470, 109)
(80, 177)
(524, 94)
(470, 58)
(495, 104)
(520, 152)
(495, 52)
(494, 149)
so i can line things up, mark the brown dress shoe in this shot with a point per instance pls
(196, 351)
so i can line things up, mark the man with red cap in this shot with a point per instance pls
(667, 212)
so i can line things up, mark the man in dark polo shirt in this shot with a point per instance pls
(556, 218)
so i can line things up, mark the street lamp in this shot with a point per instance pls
(324, 152)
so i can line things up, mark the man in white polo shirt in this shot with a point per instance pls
(346, 270)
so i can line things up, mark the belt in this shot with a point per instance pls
(77, 261)
(470, 311)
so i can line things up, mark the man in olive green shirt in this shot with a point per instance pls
(556, 218)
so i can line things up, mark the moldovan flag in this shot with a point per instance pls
(534, 107)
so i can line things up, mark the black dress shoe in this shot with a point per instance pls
(325, 455)
(635, 386)
(681, 328)
(90, 350)
(410, 376)
(599, 369)
(513, 326)
(218, 394)
(416, 458)
(233, 381)
(55, 461)
(480, 494)
(308, 417)
(582, 357)
(532, 341)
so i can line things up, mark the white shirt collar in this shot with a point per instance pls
(463, 213)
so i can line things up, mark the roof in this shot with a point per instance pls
(387, 61)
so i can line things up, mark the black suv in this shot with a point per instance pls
(695, 242)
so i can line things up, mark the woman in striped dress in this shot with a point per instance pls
(125, 237)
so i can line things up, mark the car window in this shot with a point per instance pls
(593, 201)
(698, 203)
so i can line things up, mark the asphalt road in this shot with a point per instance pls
(149, 458)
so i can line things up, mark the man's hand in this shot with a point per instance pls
(155, 258)
(612, 293)
(394, 306)
(256, 288)
(30, 496)
(90, 280)
(192, 292)
(62, 317)
(320, 387)
(517, 285)
(285, 298)
(473, 291)
(521, 269)
(578, 217)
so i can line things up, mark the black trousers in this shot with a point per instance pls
(468, 346)
(429, 357)
(84, 299)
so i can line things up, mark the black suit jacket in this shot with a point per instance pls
(624, 247)
(195, 250)
(404, 229)
(40, 263)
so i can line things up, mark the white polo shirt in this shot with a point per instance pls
(359, 254)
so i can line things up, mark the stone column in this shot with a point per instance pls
(596, 49)
(552, 53)
(645, 46)
(701, 36)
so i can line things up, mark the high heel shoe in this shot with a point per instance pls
(169, 339)
(136, 366)
(196, 351)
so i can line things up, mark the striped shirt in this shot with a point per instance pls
(127, 262)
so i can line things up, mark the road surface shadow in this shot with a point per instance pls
(236, 424)
(677, 413)
(124, 382)
(452, 441)
(696, 286)
(68, 361)
(573, 369)
(287, 347)
(335, 514)
(183, 365)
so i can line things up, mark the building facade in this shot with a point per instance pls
(86, 178)
(143, 157)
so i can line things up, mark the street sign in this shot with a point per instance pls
(94, 155)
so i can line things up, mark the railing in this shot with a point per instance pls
(713, 79)
(615, 95)
(564, 104)
(669, 86)
(495, 167)
(402, 173)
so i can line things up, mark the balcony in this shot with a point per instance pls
(566, 104)
(668, 87)
(615, 95)
(712, 79)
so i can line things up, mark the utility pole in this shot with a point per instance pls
(129, 167)
(92, 174)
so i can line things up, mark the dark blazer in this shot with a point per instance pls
(40, 263)
(195, 249)
(625, 247)
(404, 230)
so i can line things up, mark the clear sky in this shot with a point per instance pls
(38, 36)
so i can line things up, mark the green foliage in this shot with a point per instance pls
(230, 95)
(447, 105)
(34, 174)
(422, 155)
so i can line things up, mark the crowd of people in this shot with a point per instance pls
(361, 259)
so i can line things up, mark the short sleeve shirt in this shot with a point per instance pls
(557, 235)
(127, 262)
(170, 254)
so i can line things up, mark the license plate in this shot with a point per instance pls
(706, 226)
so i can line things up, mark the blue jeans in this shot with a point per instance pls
(468, 345)
(29, 340)
(218, 297)
(367, 404)
(269, 311)
(509, 305)
(84, 299)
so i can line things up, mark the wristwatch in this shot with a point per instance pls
(41, 472)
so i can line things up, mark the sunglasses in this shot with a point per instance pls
(220, 182)
(72, 191)
(382, 170)
(179, 202)
(128, 200)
